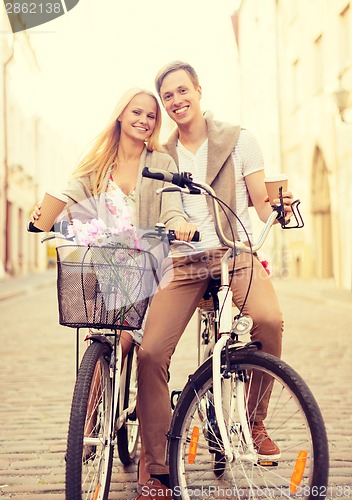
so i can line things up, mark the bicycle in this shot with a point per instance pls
(105, 288)
(212, 448)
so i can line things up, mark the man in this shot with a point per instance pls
(229, 159)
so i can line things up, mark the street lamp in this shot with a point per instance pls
(341, 99)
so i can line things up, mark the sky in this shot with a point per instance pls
(100, 48)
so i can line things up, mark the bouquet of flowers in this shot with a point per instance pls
(97, 233)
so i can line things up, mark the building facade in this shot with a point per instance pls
(33, 154)
(296, 61)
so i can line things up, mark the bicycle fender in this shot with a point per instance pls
(96, 337)
(255, 344)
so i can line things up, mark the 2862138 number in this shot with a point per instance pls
(33, 8)
(341, 491)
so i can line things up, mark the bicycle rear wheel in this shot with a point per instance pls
(128, 433)
(89, 454)
(198, 467)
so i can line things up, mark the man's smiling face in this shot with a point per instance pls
(180, 98)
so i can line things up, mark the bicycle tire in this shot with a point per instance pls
(89, 457)
(294, 422)
(128, 434)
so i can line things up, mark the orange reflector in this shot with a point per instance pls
(96, 493)
(268, 463)
(298, 472)
(193, 445)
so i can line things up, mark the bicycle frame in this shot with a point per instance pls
(225, 327)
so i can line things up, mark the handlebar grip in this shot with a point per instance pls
(159, 175)
(58, 227)
(181, 180)
(32, 229)
(171, 236)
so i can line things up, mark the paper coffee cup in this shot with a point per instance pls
(273, 185)
(52, 206)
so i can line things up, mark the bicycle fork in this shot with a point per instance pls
(222, 393)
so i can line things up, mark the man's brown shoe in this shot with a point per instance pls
(153, 489)
(265, 446)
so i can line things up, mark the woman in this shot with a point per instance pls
(108, 180)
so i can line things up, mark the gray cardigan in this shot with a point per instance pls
(150, 207)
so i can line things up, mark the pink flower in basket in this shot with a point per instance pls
(97, 233)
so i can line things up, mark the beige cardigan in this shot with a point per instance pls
(222, 139)
(150, 207)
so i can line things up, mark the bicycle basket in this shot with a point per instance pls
(104, 287)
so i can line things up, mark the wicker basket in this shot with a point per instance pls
(104, 287)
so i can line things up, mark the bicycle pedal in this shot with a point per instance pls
(242, 325)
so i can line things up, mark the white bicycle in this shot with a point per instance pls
(212, 450)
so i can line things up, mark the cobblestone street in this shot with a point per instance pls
(37, 375)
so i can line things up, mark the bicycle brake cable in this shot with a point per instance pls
(222, 204)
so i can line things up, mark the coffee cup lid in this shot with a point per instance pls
(277, 177)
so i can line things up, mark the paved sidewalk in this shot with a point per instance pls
(318, 289)
(37, 375)
(21, 285)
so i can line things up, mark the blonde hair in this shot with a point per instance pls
(175, 66)
(103, 153)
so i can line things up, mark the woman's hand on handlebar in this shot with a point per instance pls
(36, 212)
(184, 231)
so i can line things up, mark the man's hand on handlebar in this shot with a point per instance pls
(287, 198)
(184, 231)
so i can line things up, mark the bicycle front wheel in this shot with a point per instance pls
(90, 449)
(198, 467)
(128, 433)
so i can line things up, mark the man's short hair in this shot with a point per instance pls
(175, 66)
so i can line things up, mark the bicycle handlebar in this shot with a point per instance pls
(186, 185)
(159, 231)
(58, 227)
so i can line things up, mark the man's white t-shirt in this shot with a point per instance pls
(247, 159)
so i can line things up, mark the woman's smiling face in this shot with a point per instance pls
(138, 119)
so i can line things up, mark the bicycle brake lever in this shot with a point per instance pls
(186, 190)
(181, 242)
(57, 236)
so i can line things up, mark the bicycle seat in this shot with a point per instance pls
(211, 291)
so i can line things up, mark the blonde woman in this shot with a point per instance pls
(108, 180)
